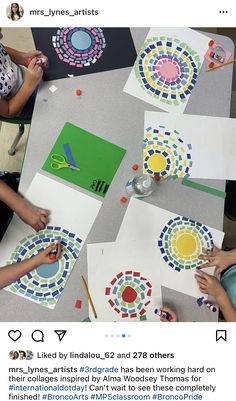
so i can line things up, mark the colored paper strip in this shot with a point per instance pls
(69, 155)
(78, 304)
(203, 188)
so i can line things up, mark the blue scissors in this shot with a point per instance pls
(60, 161)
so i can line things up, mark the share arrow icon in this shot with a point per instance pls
(60, 333)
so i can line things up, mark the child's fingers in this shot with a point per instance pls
(44, 220)
(204, 265)
(202, 284)
(206, 251)
(209, 252)
(32, 63)
(36, 227)
(44, 212)
(215, 249)
(37, 69)
(199, 279)
(58, 250)
(210, 263)
(203, 289)
(55, 246)
(202, 273)
(209, 258)
(203, 257)
(40, 224)
(50, 249)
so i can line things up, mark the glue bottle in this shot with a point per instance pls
(41, 61)
(140, 186)
(53, 253)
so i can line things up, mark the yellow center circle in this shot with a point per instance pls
(186, 244)
(157, 162)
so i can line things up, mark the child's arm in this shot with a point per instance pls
(30, 214)
(33, 76)
(211, 285)
(9, 274)
(219, 259)
(20, 57)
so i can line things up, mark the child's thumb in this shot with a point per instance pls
(32, 63)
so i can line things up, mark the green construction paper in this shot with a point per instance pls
(87, 319)
(97, 159)
(204, 188)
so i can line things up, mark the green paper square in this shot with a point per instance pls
(97, 159)
(143, 317)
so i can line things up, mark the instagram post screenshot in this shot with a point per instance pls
(117, 200)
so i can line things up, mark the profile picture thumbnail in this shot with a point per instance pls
(15, 11)
(21, 355)
(13, 355)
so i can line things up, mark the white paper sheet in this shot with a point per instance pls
(182, 72)
(208, 147)
(106, 261)
(143, 221)
(72, 215)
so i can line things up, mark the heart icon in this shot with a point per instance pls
(14, 335)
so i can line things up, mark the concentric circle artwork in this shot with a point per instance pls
(45, 284)
(129, 294)
(165, 154)
(167, 69)
(79, 47)
(181, 242)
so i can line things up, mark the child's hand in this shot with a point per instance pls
(218, 258)
(208, 284)
(43, 256)
(33, 75)
(32, 54)
(173, 317)
(32, 215)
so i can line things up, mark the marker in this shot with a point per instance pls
(204, 301)
(161, 313)
(212, 307)
(201, 300)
